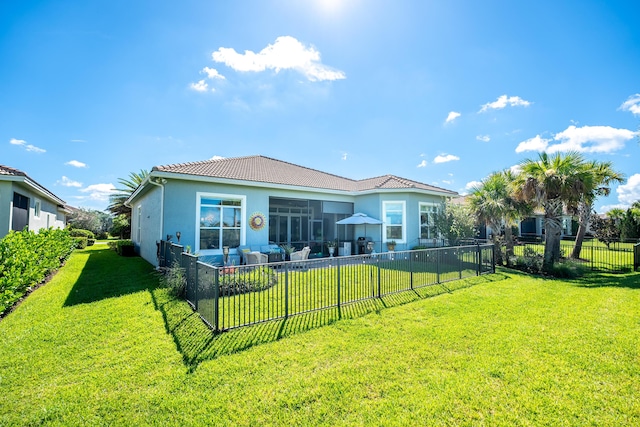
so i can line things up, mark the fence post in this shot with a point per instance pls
(195, 283)
(339, 283)
(478, 259)
(216, 299)
(493, 257)
(411, 269)
(286, 290)
(379, 277)
(437, 265)
(460, 255)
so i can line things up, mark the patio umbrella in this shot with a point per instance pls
(359, 219)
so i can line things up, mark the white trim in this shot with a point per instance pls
(37, 208)
(404, 221)
(223, 196)
(420, 205)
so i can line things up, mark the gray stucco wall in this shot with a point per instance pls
(145, 224)
(49, 214)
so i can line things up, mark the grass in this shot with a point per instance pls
(102, 344)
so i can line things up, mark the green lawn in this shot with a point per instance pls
(101, 344)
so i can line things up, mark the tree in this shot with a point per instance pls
(97, 222)
(600, 175)
(551, 182)
(493, 203)
(454, 222)
(605, 229)
(117, 199)
(630, 222)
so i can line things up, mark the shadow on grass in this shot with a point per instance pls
(108, 275)
(198, 343)
(600, 280)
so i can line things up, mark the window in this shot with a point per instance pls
(394, 221)
(219, 221)
(37, 206)
(427, 223)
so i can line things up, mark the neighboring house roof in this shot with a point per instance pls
(265, 170)
(11, 174)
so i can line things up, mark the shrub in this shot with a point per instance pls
(249, 280)
(91, 242)
(175, 280)
(567, 270)
(125, 248)
(78, 232)
(81, 242)
(26, 258)
(530, 261)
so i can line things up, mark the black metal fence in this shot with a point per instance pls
(235, 296)
(619, 257)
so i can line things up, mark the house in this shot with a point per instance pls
(25, 203)
(254, 201)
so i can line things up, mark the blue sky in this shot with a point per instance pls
(440, 92)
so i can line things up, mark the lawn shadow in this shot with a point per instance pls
(108, 275)
(601, 280)
(197, 343)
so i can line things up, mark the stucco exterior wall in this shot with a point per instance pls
(145, 224)
(49, 215)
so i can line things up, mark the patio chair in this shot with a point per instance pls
(256, 258)
(300, 255)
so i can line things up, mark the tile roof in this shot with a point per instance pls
(6, 170)
(271, 171)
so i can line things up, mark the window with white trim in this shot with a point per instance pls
(427, 220)
(394, 216)
(37, 207)
(219, 221)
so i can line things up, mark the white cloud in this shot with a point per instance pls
(472, 184)
(515, 169)
(629, 192)
(503, 101)
(212, 73)
(444, 181)
(98, 191)
(443, 158)
(422, 164)
(537, 143)
(632, 105)
(217, 158)
(28, 147)
(78, 140)
(286, 53)
(66, 182)
(452, 116)
(76, 164)
(585, 139)
(344, 156)
(483, 138)
(200, 86)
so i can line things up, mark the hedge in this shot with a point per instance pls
(26, 258)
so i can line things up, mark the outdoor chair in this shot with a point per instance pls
(256, 258)
(300, 255)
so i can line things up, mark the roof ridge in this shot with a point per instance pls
(13, 171)
(201, 162)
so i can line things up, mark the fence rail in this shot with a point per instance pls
(617, 258)
(235, 296)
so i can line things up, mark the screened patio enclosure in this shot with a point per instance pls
(301, 222)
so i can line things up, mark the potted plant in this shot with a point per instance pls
(331, 246)
(288, 250)
(391, 245)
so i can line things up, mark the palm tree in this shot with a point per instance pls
(121, 195)
(493, 203)
(551, 182)
(600, 176)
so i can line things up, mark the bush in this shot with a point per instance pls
(175, 280)
(253, 280)
(78, 232)
(567, 270)
(91, 242)
(530, 261)
(81, 242)
(125, 247)
(26, 258)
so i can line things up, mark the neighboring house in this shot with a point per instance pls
(533, 226)
(257, 200)
(25, 203)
